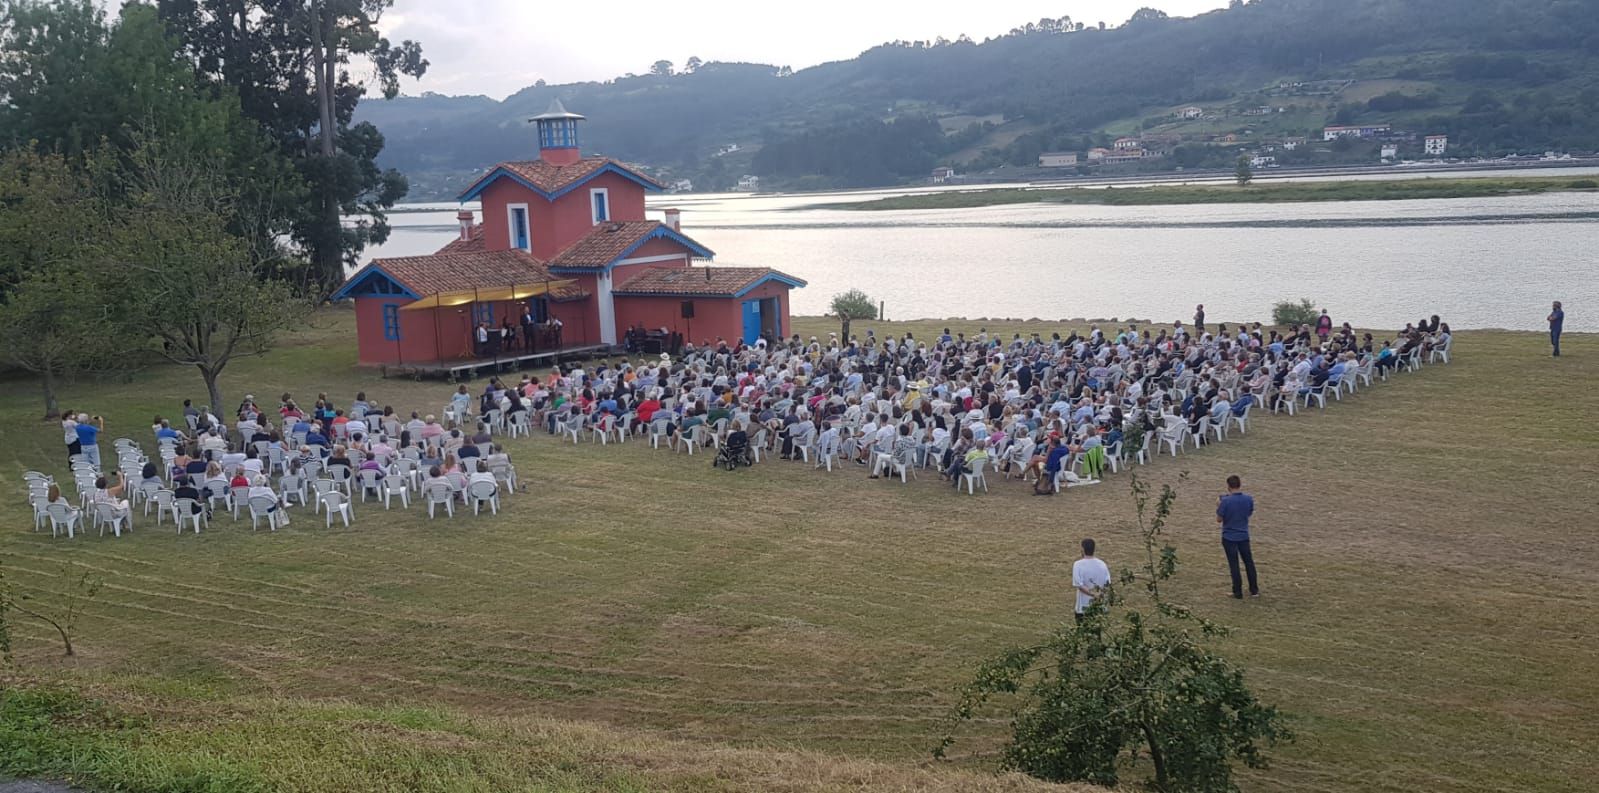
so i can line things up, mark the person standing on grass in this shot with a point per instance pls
(1557, 322)
(1232, 512)
(1090, 576)
(1199, 319)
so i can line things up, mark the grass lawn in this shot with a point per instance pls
(638, 621)
(1267, 193)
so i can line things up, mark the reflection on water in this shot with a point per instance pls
(1490, 262)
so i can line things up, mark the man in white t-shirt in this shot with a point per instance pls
(1090, 576)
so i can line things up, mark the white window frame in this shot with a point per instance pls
(510, 226)
(595, 216)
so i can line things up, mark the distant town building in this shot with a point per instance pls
(1364, 131)
(942, 174)
(1098, 154)
(1436, 145)
(749, 183)
(1262, 160)
(1127, 144)
(1192, 112)
(1390, 151)
(1058, 159)
(1289, 144)
(683, 186)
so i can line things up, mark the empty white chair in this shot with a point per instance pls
(1147, 451)
(658, 433)
(320, 488)
(163, 504)
(266, 507)
(336, 504)
(396, 486)
(482, 492)
(436, 493)
(63, 516)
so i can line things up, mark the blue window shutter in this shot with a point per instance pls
(391, 322)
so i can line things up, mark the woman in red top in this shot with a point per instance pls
(647, 408)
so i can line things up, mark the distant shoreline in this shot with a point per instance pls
(1219, 193)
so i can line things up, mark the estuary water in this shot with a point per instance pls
(1478, 263)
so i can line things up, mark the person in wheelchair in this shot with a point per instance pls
(735, 449)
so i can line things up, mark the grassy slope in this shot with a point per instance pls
(1289, 192)
(1426, 549)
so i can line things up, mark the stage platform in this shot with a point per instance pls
(467, 369)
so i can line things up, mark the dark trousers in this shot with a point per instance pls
(1239, 549)
(75, 447)
(527, 337)
(1554, 338)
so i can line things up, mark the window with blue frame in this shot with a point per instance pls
(391, 322)
(519, 235)
(602, 204)
(483, 314)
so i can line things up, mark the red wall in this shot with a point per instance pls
(713, 316)
(454, 332)
(554, 226)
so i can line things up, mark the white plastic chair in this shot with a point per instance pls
(658, 433)
(187, 509)
(480, 493)
(975, 477)
(573, 427)
(1241, 420)
(396, 486)
(163, 504)
(61, 516)
(1174, 437)
(265, 507)
(320, 488)
(238, 497)
(336, 503)
(504, 472)
(291, 488)
(340, 474)
(518, 425)
(108, 515)
(371, 483)
(603, 430)
(436, 493)
(694, 437)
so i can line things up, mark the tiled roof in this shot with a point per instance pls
(551, 178)
(604, 244)
(459, 245)
(716, 281)
(459, 272)
(569, 294)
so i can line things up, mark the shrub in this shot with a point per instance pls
(1584, 184)
(850, 305)
(1287, 312)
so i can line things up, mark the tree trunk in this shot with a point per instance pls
(51, 408)
(1155, 757)
(329, 245)
(213, 391)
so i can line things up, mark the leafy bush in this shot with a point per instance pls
(1584, 184)
(851, 305)
(1130, 681)
(1287, 312)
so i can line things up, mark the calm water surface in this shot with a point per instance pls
(1492, 262)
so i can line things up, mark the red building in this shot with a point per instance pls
(562, 237)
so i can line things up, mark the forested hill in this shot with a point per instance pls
(1497, 76)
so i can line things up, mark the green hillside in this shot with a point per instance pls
(1496, 76)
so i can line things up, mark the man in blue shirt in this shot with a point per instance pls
(1557, 321)
(1232, 512)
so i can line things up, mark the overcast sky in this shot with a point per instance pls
(496, 47)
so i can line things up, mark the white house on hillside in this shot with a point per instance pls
(1057, 159)
(1436, 145)
(1191, 113)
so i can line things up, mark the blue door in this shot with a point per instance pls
(752, 321)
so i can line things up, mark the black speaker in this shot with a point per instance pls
(688, 309)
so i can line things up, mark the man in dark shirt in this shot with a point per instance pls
(1232, 512)
(1557, 323)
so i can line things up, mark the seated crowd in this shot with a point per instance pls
(1049, 410)
(323, 458)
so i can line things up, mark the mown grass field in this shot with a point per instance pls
(1260, 193)
(636, 620)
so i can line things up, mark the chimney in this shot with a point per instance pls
(465, 218)
(674, 219)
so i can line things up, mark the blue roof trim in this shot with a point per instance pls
(779, 277)
(500, 171)
(366, 274)
(660, 232)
